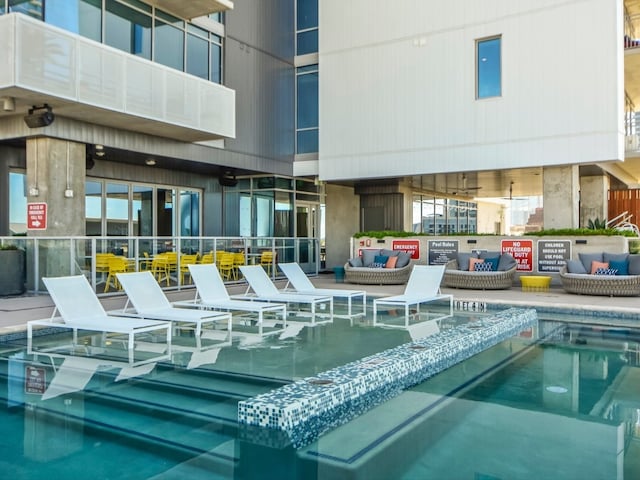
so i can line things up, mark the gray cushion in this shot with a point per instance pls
(403, 259)
(634, 264)
(616, 257)
(463, 260)
(575, 266)
(587, 258)
(485, 255)
(355, 262)
(389, 253)
(369, 256)
(506, 262)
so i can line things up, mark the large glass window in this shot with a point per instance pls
(306, 27)
(198, 52)
(128, 30)
(83, 17)
(142, 210)
(441, 216)
(93, 208)
(169, 44)
(117, 209)
(216, 58)
(17, 203)
(307, 109)
(488, 68)
(189, 213)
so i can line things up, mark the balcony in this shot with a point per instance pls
(94, 83)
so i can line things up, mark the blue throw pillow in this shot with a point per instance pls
(606, 271)
(485, 266)
(382, 259)
(622, 266)
(493, 262)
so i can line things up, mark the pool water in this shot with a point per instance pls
(561, 400)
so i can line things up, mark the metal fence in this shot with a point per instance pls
(61, 256)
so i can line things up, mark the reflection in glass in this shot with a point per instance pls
(189, 213)
(142, 210)
(128, 30)
(93, 208)
(117, 209)
(17, 203)
(27, 7)
(197, 56)
(83, 17)
(169, 45)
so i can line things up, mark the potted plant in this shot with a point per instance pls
(13, 278)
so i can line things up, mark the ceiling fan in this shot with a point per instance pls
(465, 189)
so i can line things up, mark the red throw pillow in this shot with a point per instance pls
(472, 263)
(391, 263)
(596, 265)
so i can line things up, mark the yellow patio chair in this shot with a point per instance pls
(207, 258)
(238, 261)
(226, 266)
(116, 265)
(266, 260)
(160, 268)
(185, 261)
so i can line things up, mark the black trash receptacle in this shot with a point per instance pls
(339, 274)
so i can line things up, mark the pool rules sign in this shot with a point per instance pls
(37, 216)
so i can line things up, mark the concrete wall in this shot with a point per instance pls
(341, 222)
(397, 86)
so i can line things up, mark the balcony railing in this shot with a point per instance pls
(58, 256)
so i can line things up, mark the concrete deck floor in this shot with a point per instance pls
(16, 311)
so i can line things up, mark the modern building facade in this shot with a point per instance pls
(250, 118)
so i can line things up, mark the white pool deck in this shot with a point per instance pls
(15, 312)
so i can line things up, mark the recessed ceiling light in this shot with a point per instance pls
(150, 161)
(556, 389)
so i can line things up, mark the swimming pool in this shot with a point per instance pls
(557, 401)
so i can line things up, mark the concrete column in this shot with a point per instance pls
(561, 187)
(594, 198)
(56, 172)
(342, 218)
(4, 197)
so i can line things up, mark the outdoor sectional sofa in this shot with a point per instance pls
(374, 267)
(458, 275)
(619, 274)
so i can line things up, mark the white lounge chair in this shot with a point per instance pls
(301, 283)
(265, 290)
(80, 309)
(149, 301)
(211, 293)
(423, 286)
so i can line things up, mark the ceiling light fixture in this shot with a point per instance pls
(150, 162)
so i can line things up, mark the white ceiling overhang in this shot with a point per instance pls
(191, 8)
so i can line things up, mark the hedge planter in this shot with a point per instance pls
(13, 278)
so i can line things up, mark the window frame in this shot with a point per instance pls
(478, 43)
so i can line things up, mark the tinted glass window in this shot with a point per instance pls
(83, 17)
(489, 82)
(169, 46)
(307, 14)
(128, 30)
(198, 56)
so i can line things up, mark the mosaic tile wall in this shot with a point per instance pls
(309, 407)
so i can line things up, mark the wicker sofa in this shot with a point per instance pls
(455, 277)
(577, 278)
(377, 276)
(365, 268)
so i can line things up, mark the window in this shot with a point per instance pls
(307, 109)
(83, 17)
(306, 27)
(488, 68)
(128, 30)
(17, 203)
